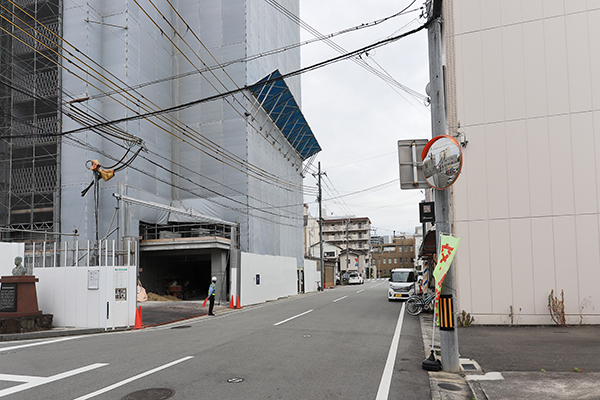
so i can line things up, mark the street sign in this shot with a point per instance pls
(411, 164)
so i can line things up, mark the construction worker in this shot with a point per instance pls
(211, 296)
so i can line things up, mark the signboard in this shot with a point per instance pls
(427, 212)
(411, 164)
(8, 297)
(93, 279)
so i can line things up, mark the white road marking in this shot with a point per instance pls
(341, 298)
(133, 378)
(33, 381)
(361, 290)
(22, 346)
(386, 378)
(289, 319)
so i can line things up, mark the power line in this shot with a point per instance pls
(255, 85)
(217, 152)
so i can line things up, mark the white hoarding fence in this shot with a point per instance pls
(83, 285)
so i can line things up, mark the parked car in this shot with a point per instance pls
(355, 279)
(402, 283)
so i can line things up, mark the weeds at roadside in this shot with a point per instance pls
(464, 319)
(557, 308)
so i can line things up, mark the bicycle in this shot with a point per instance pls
(416, 304)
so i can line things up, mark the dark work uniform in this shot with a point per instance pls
(211, 298)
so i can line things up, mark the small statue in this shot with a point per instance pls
(19, 269)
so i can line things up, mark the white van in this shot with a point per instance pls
(402, 283)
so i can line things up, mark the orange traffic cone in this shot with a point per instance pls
(324, 285)
(231, 304)
(138, 318)
(237, 304)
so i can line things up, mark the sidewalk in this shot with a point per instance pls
(153, 313)
(520, 362)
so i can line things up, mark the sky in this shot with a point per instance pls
(357, 117)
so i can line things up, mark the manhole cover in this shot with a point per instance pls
(235, 380)
(150, 394)
(469, 367)
(181, 327)
(449, 386)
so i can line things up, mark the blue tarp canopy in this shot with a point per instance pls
(276, 98)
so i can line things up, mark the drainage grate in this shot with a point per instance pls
(469, 367)
(181, 327)
(449, 386)
(150, 394)
(235, 380)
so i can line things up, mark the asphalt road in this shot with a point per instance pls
(330, 345)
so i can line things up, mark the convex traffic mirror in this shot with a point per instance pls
(442, 161)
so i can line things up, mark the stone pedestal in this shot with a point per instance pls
(18, 297)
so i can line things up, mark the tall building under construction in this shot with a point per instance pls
(189, 110)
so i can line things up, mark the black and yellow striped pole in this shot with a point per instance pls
(446, 312)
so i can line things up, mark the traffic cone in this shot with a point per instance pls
(237, 304)
(324, 285)
(231, 303)
(138, 318)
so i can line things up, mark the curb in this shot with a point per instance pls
(444, 385)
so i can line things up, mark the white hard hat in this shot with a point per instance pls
(214, 278)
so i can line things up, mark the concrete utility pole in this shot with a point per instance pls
(321, 233)
(448, 339)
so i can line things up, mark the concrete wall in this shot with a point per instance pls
(526, 92)
(277, 278)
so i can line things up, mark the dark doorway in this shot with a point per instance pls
(185, 274)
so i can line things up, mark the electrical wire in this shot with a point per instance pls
(218, 154)
(382, 75)
(248, 87)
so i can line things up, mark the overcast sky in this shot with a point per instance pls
(357, 117)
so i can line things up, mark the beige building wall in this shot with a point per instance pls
(524, 85)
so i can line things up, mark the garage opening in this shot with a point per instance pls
(180, 259)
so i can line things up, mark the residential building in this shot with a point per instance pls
(523, 89)
(311, 232)
(400, 253)
(351, 234)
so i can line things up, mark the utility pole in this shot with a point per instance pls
(448, 339)
(321, 230)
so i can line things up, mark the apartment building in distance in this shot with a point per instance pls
(400, 253)
(353, 236)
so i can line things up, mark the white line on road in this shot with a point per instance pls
(386, 379)
(22, 346)
(341, 298)
(133, 378)
(361, 290)
(289, 319)
(33, 381)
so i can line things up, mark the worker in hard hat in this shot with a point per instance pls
(211, 295)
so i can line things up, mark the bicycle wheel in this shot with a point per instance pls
(414, 305)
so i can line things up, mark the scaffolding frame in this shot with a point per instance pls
(30, 115)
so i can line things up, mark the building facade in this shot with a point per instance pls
(400, 253)
(351, 234)
(523, 87)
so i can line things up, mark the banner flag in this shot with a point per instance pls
(448, 246)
